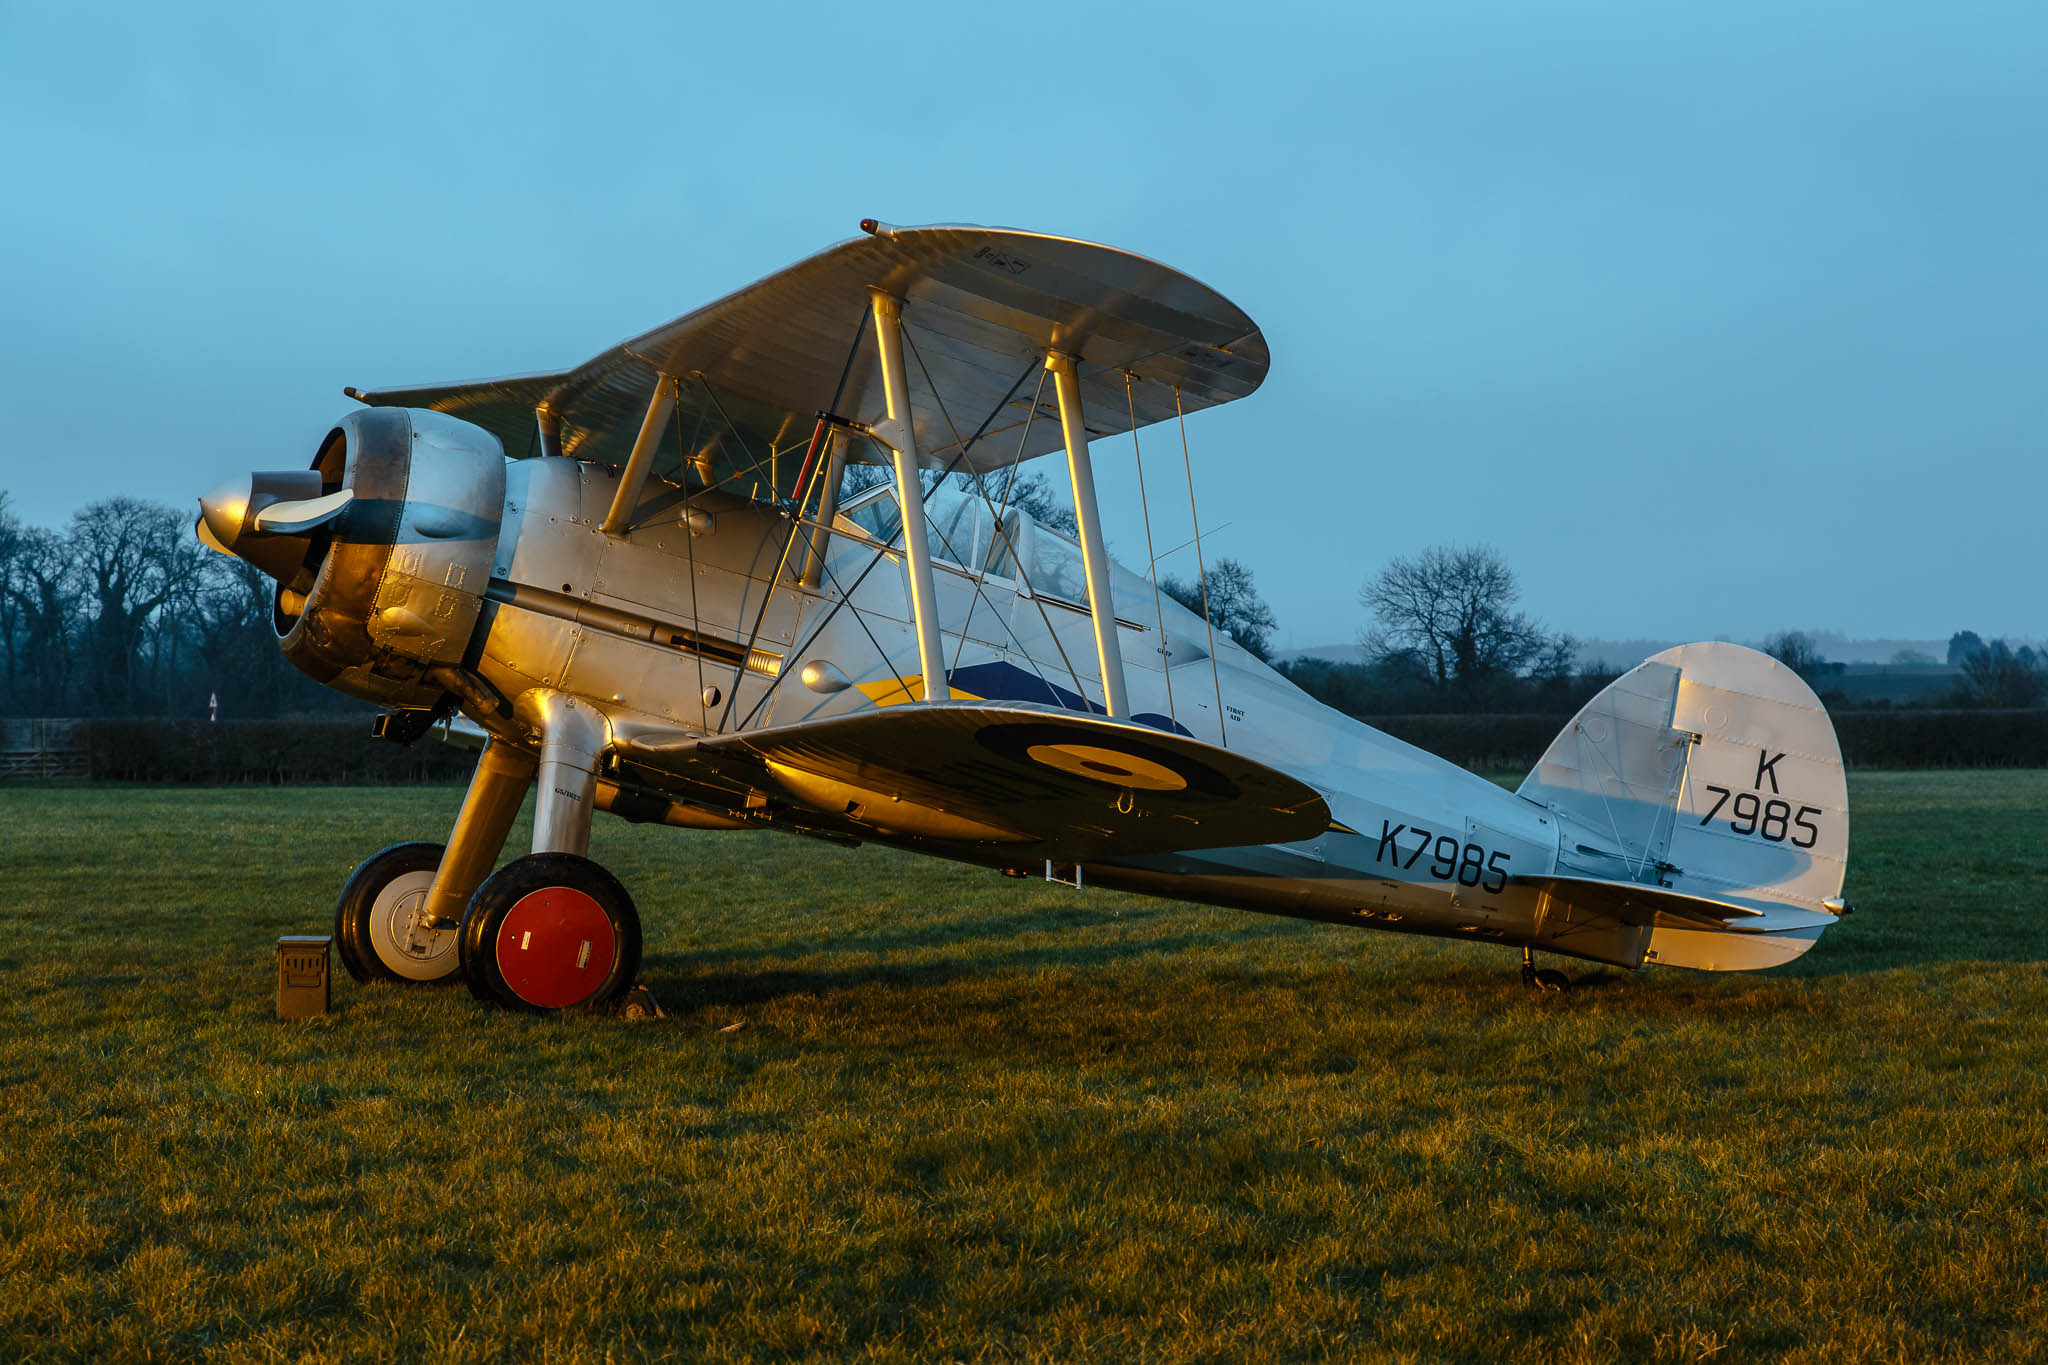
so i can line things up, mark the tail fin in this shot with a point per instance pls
(1711, 770)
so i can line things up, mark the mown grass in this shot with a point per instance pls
(964, 1117)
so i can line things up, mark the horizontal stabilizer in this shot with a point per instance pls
(1634, 903)
(1041, 782)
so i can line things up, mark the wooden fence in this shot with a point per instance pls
(44, 748)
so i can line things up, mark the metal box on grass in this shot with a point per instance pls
(302, 975)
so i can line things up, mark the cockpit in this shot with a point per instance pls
(967, 538)
(964, 533)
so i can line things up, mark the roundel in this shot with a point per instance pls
(1112, 766)
(1110, 755)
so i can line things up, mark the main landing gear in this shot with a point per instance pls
(1547, 978)
(548, 932)
(381, 921)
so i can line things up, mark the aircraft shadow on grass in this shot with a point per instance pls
(971, 949)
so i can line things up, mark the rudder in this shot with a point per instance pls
(1712, 770)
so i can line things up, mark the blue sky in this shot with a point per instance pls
(1714, 320)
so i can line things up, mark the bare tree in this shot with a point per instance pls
(1797, 651)
(1449, 611)
(134, 557)
(237, 643)
(1999, 675)
(10, 547)
(42, 586)
(1234, 605)
(1032, 494)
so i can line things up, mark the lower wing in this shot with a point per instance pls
(1042, 782)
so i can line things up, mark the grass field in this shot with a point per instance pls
(909, 1110)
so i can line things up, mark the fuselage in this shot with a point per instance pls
(701, 620)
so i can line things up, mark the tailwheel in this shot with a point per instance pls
(550, 932)
(1545, 978)
(381, 925)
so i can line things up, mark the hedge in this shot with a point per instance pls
(263, 753)
(330, 750)
(1944, 739)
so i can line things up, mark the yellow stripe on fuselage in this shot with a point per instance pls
(896, 691)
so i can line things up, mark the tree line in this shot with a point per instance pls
(1446, 637)
(121, 612)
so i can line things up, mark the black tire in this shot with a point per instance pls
(588, 916)
(371, 920)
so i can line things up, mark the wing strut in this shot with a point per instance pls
(1101, 605)
(897, 432)
(828, 507)
(659, 406)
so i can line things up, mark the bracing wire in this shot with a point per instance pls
(690, 548)
(1201, 571)
(1001, 530)
(796, 521)
(1151, 560)
(881, 554)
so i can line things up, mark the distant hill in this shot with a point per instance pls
(1840, 649)
(1336, 654)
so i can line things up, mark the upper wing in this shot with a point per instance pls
(1040, 782)
(980, 306)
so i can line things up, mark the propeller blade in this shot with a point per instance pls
(291, 518)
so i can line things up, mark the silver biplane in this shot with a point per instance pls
(639, 585)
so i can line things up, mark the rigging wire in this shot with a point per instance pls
(795, 517)
(858, 620)
(1015, 558)
(690, 548)
(1201, 573)
(978, 574)
(753, 460)
(1151, 560)
(1215, 530)
(881, 554)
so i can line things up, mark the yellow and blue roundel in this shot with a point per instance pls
(1112, 758)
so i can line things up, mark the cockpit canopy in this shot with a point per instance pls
(965, 534)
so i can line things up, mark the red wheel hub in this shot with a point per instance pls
(556, 947)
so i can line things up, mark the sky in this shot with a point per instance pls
(1714, 320)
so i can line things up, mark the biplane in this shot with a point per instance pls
(649, 586)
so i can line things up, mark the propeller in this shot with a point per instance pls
(268, 518)
(296, 518)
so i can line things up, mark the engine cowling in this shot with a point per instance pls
(388, 582)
